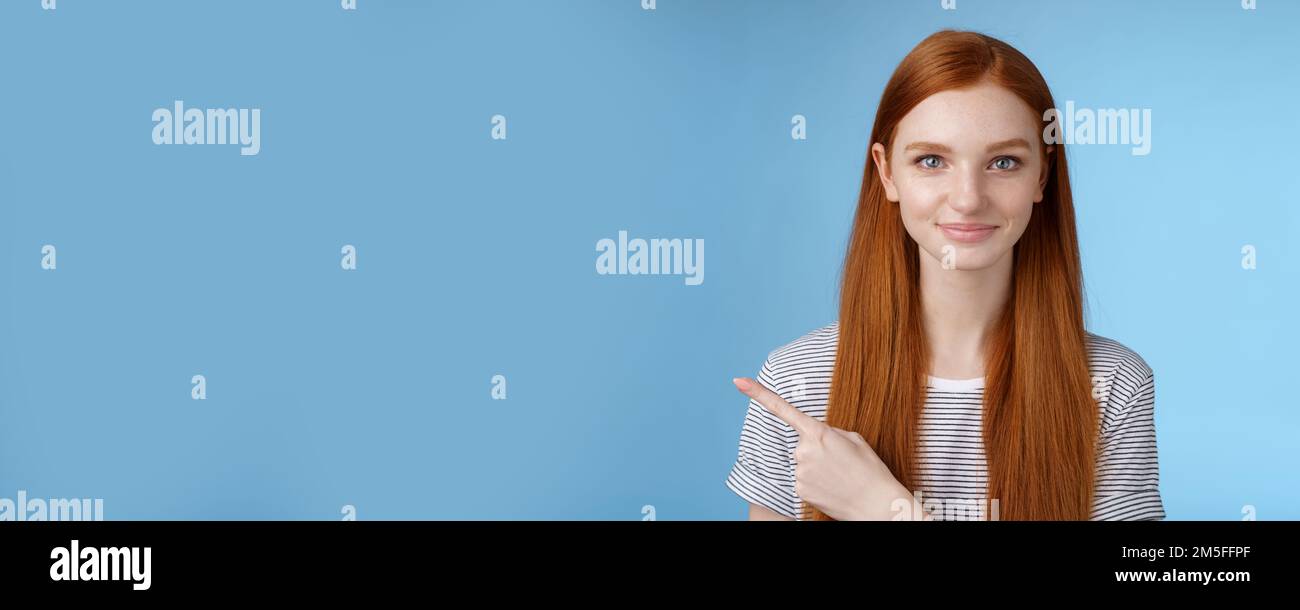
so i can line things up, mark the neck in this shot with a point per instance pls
(960, 308)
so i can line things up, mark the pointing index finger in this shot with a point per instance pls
(800, 421)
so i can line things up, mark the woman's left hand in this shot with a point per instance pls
(835, 470)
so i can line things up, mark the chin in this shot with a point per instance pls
(969, 257)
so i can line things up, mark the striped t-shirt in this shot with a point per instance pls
(951, 468)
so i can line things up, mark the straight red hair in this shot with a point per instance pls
(1040, 422)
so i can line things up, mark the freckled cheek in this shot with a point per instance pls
(921, 199)
(1014, 199)
(1013, 189)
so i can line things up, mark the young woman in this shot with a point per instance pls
(959, 381)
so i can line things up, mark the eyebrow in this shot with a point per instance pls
(1004, 144)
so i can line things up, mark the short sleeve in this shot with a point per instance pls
(1128, 469)
(763, 473)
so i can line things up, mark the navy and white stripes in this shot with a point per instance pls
(952, 467)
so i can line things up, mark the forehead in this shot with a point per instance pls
(970, 118)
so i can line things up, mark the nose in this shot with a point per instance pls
(967, 195)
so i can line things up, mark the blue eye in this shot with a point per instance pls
(930, 162)
(1006, 163)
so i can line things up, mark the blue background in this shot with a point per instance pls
(476, 257)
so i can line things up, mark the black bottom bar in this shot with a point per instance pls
(509, 557)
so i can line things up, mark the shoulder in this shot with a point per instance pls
(811, 349)
(800, 371)
(1111, 360)
(1122, 379)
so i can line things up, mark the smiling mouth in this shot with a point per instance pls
(967, 232)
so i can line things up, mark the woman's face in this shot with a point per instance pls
(966, 168)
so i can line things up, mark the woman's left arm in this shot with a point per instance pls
(1128, 464)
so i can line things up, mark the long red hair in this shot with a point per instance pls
(1040, 421)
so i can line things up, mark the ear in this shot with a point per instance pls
(1046, 174)
(883, 170)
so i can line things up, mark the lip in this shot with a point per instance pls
(967, 232)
